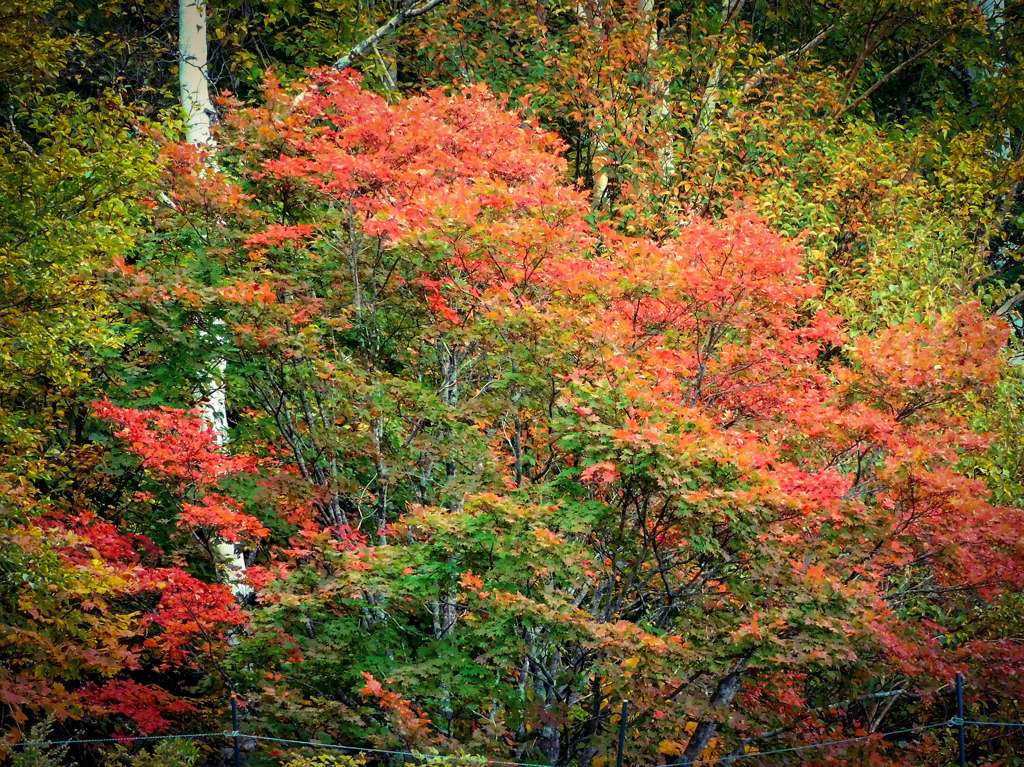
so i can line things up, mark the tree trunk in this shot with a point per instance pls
(659, 87)
(709, 102)
(588, 15)
(193, 76)
(726, 690)
(196, 104)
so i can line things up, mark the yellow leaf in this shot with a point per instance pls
(670, 747)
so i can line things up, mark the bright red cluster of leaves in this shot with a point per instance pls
(92, 615)
(146, 706)
(179, 448)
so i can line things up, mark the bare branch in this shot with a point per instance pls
(407, 13)
(799, 52)
(1010, 304)
(892, 73)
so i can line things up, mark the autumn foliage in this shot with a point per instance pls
(498, 466)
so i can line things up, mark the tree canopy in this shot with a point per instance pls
(573, 354)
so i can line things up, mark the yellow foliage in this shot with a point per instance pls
(671, 747)
(326, 760)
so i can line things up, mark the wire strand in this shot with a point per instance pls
(414, 754)
(825, 744)
(119, 739)
(993, 724)
(485, 760)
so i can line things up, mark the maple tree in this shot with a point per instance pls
(654, 470)
(846, 124)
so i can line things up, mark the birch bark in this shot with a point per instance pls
(194, 84)
(193, 79)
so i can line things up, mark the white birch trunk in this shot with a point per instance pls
(730, 9)
(198, 108)
(590, 17)
(192, 71)
(214, 404)
(660, 87)
(228, 556)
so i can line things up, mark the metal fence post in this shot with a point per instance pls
(622, 733)
(960, 717)
(234, 728)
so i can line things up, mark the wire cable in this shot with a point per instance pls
(974, 723)
(483, 759)
(119, 739)
(414, 754)
(825, 744)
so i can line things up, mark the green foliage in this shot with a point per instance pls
(166, 753)
(40, 756)
(67, 184)
(325, 760)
